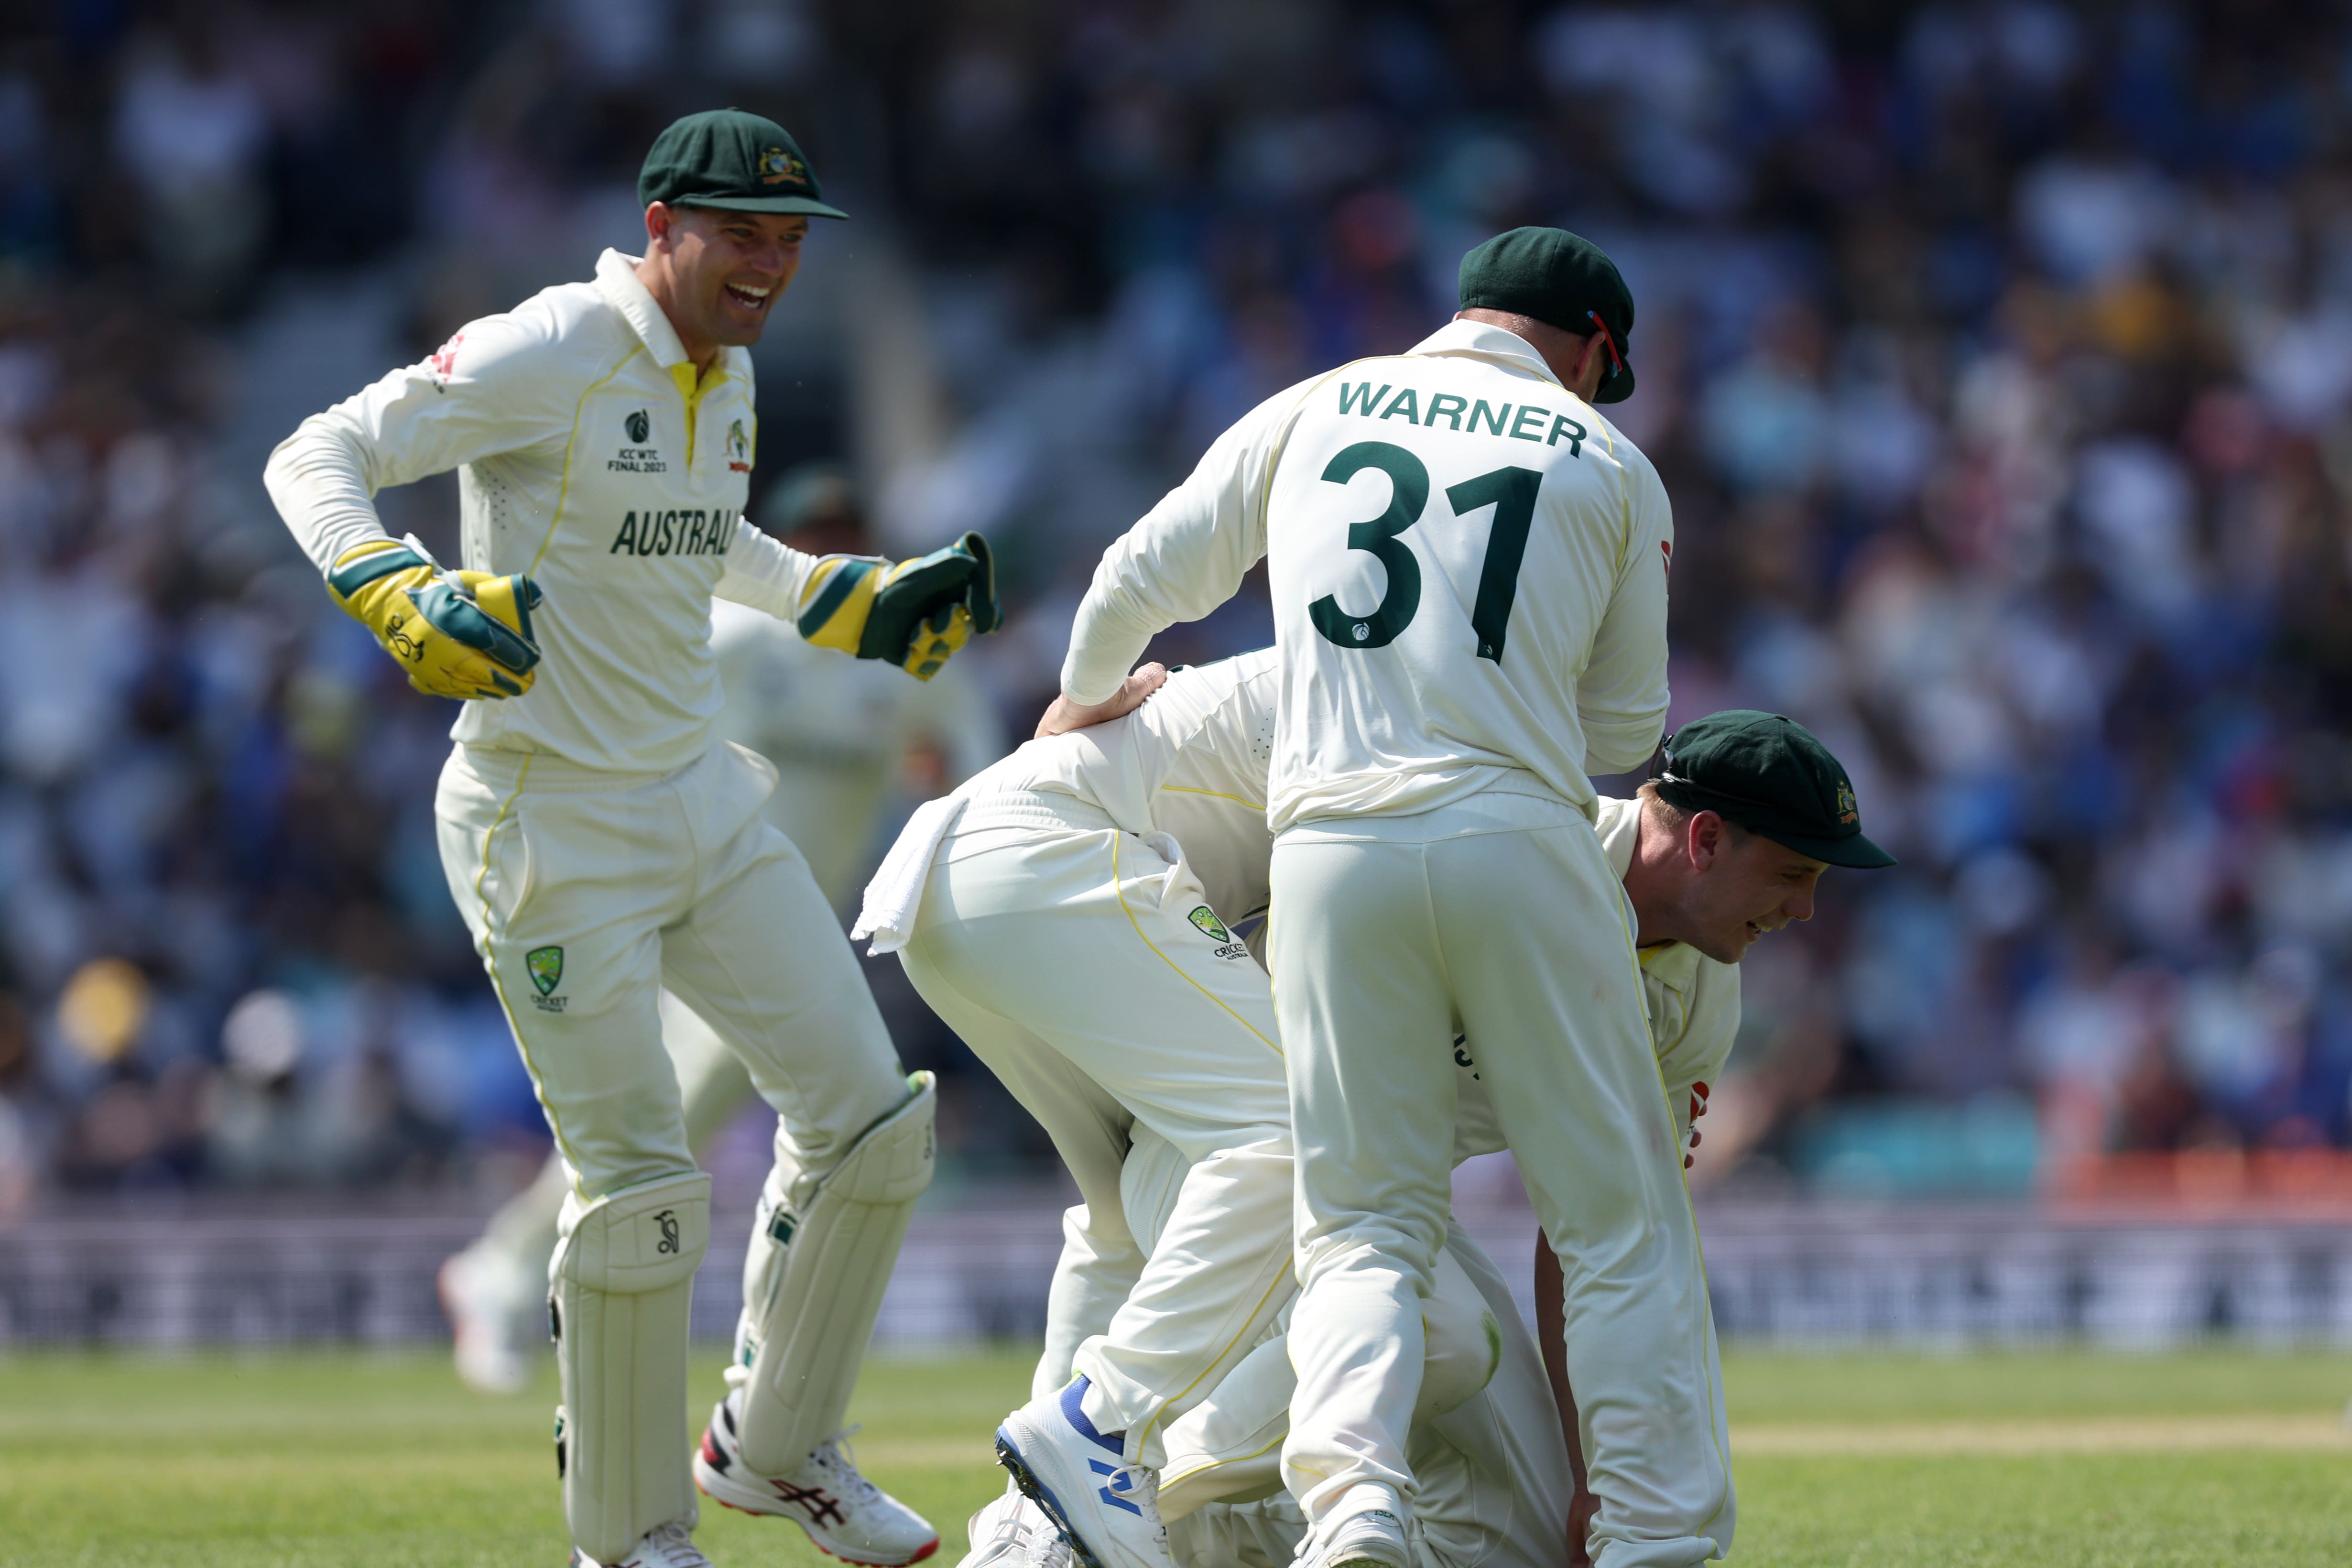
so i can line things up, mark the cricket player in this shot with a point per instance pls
(837, 732)
(603, 844)
(1468, 568)
(1743, 813)
(1072, 912)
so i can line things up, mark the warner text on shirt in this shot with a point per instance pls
(594, 454)
(1468, 567)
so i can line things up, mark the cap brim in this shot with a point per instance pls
(1616, 388)
(807, 205)
(1854, 851)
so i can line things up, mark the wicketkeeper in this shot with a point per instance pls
(602, 844)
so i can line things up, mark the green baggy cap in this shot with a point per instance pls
(1770, 776)
(1563, 279)
(727, 158)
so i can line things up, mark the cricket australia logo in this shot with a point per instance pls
(638, 456)
(545, 965)
(1846, 812)
(776, 166)
(738, 449)
(1210, 926)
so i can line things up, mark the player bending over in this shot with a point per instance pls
(1468, 568)
(1742, 815)
(602, 844)
(1711, 880)
(1071, 914)
(837, 730)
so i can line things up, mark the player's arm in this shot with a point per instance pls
(1552, 1328)
(1620, 700)
(456, 634)
(1184, 558)
(916, 614)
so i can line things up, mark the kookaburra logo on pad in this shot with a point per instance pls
(667, 1220)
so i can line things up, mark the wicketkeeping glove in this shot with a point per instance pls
(913, 613)
(458, 634)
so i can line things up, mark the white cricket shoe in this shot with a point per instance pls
(491, 1319)
(1366, 1529)
(1011, 1532)
(844, 1514)
(1107, 1510)
(663, 1546)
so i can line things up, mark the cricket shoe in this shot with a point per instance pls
(1107, 1510)
(1011, 1532)
(663, 1546)
(491, 1319)
(844, 1514)
(1365, 1529)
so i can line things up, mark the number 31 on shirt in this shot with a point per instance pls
(1510, 491)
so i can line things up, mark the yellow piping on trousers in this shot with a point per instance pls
(491, 963)
(1120, 892)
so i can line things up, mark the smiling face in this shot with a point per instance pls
(717, 273)
(1747, 886)
(1699, 878)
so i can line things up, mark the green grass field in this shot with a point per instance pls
(329, 1460)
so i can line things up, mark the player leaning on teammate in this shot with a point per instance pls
(602, 844)
(1049, 975)
(1468, 568)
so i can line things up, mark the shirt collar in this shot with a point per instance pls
(1479, 340)
(617, 280)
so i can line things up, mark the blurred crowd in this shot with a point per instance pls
(1998, 360)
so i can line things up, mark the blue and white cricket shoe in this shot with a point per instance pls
(1107, 1510)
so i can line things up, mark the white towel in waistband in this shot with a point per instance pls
(895, 893)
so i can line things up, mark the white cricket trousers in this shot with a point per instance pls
(588, 892)
(1501, 917)
(1492, 1473)
(1068, 956)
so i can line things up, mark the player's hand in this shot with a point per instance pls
(1066, 715)
(464, 634)
(1699, 1093)
(916, 614)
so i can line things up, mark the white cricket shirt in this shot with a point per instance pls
(590, 456)
(1190, 762)
(1468, 567)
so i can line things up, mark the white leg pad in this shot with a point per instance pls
(813, 1282)
(621, 1289)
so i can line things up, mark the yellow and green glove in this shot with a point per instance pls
(913, 613)
(465, 635)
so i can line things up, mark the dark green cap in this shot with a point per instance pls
(1770, 776)
(1563, 279)
(727, 158)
